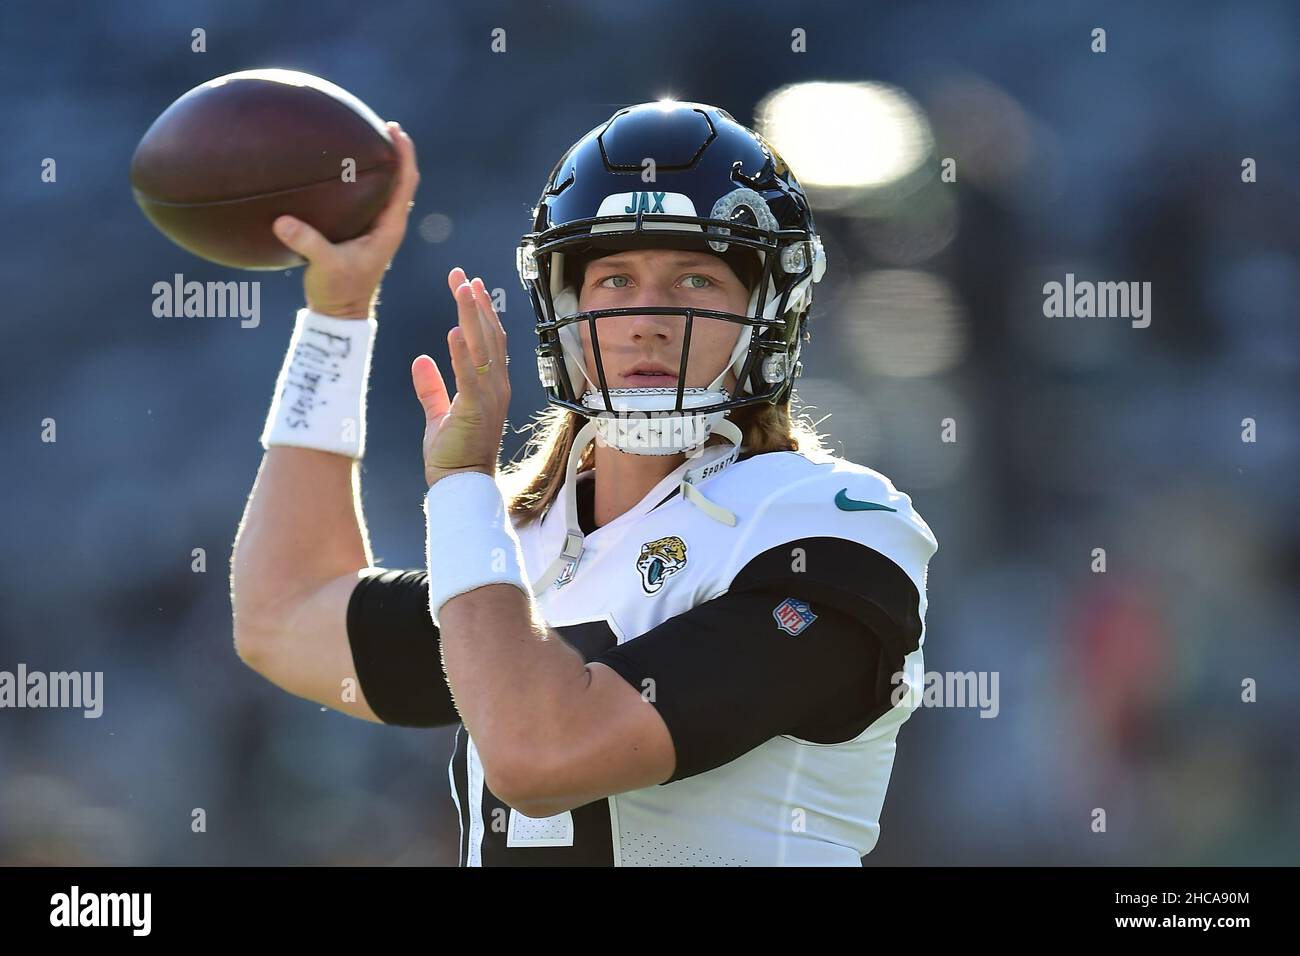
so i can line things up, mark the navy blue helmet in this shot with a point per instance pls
(674, 175)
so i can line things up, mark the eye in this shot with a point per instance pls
(696, 275)
(607, 278)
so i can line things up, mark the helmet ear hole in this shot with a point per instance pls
(745, 264)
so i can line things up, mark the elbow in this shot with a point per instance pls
(250, 643)
(528, 781)
(260, 614)
(248, 639)
(252, 629)
(257, 608)
(537, 808)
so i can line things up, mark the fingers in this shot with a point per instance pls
(487, 337)
(303, 239)
(471, 324)
(391, 221)
(493, 330)
(430, 389)
(486, 316)
(469, 383)
(455, 278)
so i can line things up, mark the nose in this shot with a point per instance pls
(651, 327)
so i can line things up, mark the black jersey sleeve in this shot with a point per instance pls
(726, 677)
(396, 652)
(848, 576)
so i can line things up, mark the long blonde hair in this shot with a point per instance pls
(532, 482)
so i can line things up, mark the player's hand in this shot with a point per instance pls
(464, 433)
(342, 279)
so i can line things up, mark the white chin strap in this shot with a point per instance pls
(638, 425)
(571, 553)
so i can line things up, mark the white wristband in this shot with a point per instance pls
(469, 541)
(320, 396)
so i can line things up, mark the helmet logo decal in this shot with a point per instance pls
(745, 207)
(652, 203)
(646, 202)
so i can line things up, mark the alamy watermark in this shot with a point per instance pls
(209, 300)
(57, 689)
(79, 909)
(658, 431)
(977, 689)
(1100, 300)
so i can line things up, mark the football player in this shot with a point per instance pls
(676, 631)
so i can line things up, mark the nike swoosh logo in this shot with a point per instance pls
(845, 503)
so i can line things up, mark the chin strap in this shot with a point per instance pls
(572, 549)
(696, 497)
(571, 553)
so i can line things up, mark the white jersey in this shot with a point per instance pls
(785, 802)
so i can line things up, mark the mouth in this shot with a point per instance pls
(649, 375)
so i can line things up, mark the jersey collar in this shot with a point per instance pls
(561, 532)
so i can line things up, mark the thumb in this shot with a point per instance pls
(302, 238)
(430, 388)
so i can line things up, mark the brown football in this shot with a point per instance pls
(222, 162)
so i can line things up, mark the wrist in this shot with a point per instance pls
(347, 308)
(434, 475)
(472, 515)
(353, 311)
(319, 400)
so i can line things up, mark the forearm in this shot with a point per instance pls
(516, 684)
(302, 526)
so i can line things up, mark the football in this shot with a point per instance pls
(223, 161)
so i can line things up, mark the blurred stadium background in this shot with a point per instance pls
(1118, 690)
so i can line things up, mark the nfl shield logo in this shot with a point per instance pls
(792, 616)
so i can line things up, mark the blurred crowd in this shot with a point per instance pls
(1121, 690)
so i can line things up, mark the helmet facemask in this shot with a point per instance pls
(665, 420)
(684, 176)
